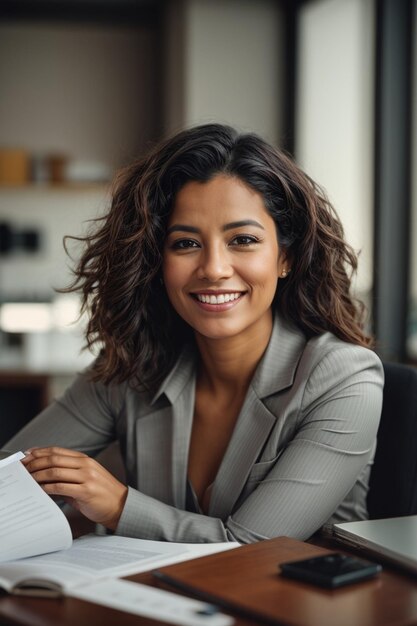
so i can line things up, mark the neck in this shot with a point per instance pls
(230, 363)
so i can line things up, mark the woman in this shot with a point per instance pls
(234, 370)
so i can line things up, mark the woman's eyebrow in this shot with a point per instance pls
(191, 229)
(182, 228)
(231, 225)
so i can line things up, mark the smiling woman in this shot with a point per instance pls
(221, 261)
(234, 369)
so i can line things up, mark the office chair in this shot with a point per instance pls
(393, 480)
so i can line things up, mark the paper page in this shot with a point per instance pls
(11, 458)
(30, 521)
(95, 557)
(157, 604)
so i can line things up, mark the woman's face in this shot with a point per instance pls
(221, 258)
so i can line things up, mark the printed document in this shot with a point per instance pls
(38, 555)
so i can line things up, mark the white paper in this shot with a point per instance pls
(146, 601)
(93, 558)
(12, 458)
(30, 521)
(121, 556)
(36, 546)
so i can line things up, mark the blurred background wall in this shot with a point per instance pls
(88, 85)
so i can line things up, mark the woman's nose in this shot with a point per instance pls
(214, 265)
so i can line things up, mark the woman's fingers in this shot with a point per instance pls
(55, 466)
(36, 453)
(58, 475)
(85, 483)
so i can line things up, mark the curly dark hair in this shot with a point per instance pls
(119, 272)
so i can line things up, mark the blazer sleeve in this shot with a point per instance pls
(84, 419)
(335, 438)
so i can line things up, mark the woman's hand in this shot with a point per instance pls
(80, 481)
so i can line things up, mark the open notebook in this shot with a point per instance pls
(393, 539)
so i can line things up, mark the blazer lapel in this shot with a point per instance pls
(183, 413)
(163, 436)
(154, 454)
(252, 429)
(274, 373)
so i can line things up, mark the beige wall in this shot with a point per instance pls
(226, 60)
(335, 114)
(85, 91)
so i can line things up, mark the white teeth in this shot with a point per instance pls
(220, 299)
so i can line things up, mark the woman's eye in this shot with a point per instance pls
(244, 240)
(184, 244)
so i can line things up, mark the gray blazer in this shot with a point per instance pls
(299, 456)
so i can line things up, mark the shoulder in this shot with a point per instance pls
(90, 393)
(294, 361)
(328, 351)
(329, 363)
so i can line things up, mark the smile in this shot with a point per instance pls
(220, 298)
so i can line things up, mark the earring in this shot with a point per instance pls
(161, 281)
(285, 273)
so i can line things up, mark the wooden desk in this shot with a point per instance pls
(246, 575)
(24, 611)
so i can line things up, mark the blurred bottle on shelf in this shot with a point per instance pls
(14, 166)
(56, 165)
